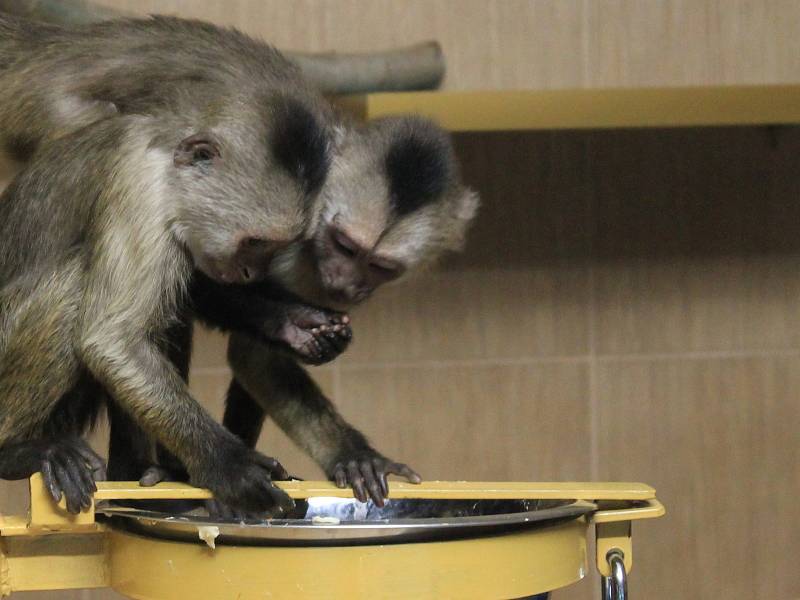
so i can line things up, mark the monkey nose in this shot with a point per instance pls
(253, 256)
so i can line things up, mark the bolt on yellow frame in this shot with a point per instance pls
(50, 549)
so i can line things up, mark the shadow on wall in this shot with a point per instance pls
(655, 193)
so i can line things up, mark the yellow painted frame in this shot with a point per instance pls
(504, 110)
(49, 549)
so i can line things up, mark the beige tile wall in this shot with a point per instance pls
(506, 44)
(628, 304)
(626, 309)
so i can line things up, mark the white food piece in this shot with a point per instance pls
(325, 521)
(208, 533)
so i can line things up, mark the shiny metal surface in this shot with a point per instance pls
(342, 522)
(615, 587)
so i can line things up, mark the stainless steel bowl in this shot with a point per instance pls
(347, 522)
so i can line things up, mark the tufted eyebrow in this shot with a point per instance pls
(418, 167)
(301, 144)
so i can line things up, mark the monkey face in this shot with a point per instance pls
(392, 202)
(246, 187)
(349, 270)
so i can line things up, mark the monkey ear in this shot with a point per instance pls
(200, 148)
(467, 204)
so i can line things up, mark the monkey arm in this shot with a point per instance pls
(284, 390)
(127, 304)
(276, 316)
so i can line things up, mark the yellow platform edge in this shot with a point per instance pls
(505, 110)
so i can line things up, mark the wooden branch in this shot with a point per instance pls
(418, 67)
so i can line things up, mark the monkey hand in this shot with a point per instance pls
(366, 471)
(314, 335)
(241, 479)
(157, 473)
(70, 468)
(216, 509)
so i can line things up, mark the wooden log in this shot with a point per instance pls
(417, 67)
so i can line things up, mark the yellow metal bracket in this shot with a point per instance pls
(613, 530)
(51, 549)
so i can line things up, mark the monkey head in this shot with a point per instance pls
(245, 183)
(392, 202)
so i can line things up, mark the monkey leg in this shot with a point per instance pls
(290, 397)
(312, 334)
(43, 408)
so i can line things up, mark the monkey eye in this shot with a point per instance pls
(199, 149)
(344, 244)
(386, 267)
(203, 153)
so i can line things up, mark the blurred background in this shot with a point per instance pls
(628, 307)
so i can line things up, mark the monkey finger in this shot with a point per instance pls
(314, 350)
(276, 469)
(340, 477)
(51, 482)
(379, 464)
(154, 474)
(340, 319)
(336, 339)
(82, 474)
(71, 492)
(405, 471)
(371, 481)
(82, 478)
(97, 464)
(356, 482)
(281, 502)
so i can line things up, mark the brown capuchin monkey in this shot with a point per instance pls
(387, 200)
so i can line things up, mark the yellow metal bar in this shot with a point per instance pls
(613, 529)
(431, 490)
(45, 515)
(649, 509)
(590, 108)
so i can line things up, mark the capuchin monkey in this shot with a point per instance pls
(215, 172)
(98, 239)
(54, 80)
(392, 203)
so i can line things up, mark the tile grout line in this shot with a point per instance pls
(591, 313)
(537, 360)
(576, 359)
(594, 400)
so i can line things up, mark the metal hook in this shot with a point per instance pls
(615, 587)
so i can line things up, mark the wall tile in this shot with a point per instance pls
(516, 422)
(717, 439)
